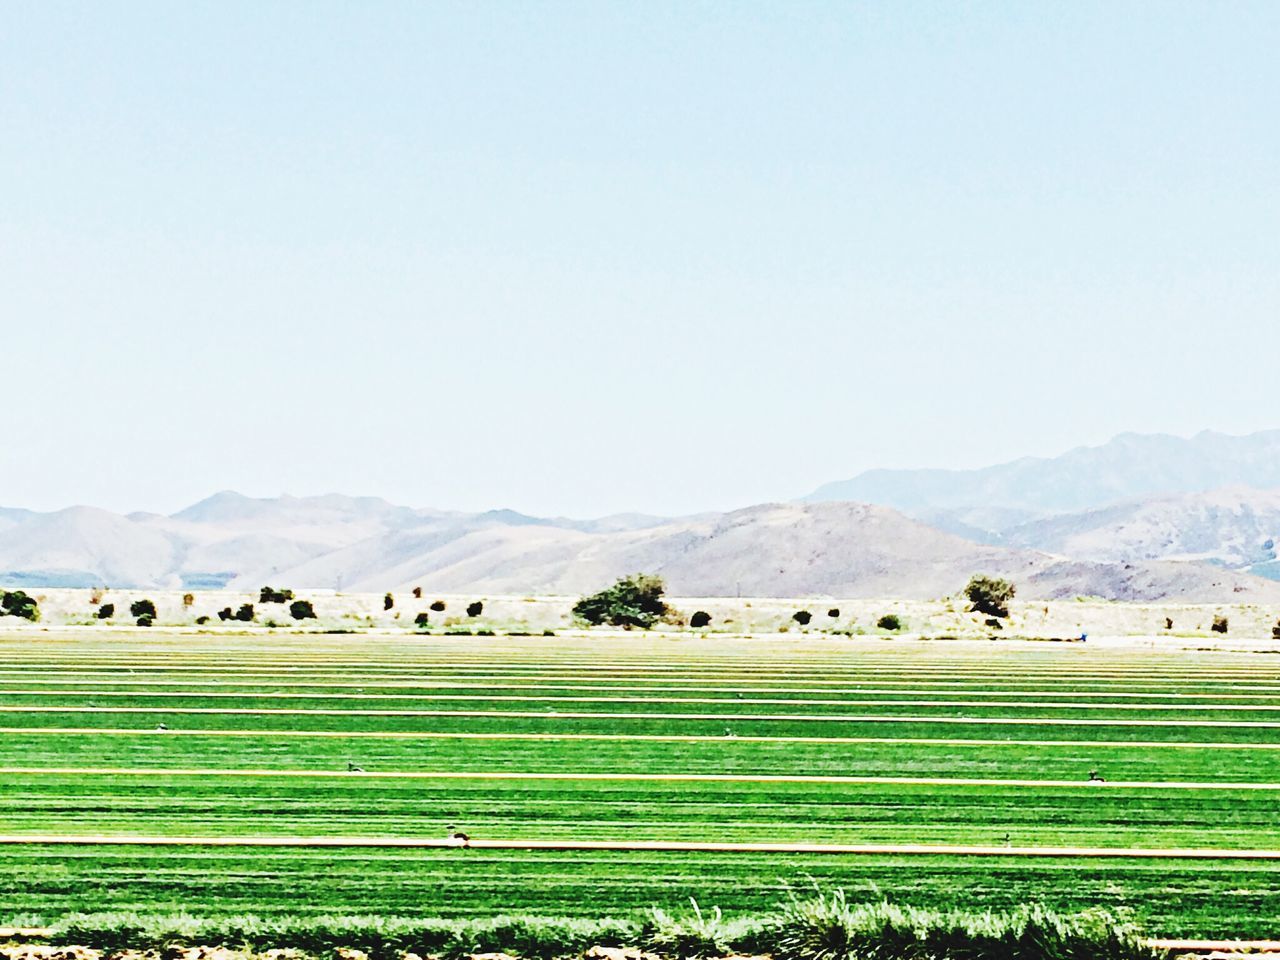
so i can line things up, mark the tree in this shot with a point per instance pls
(106, 611)
(245, 613)
(475, 609)
(142, 608)
(802, 617)
(833, 612)
(422, 620)
(225, 613)
(889, 621)
(438, 606)
(16, 603)
(1275, 631)
(188, 599)
(302, 610)
(271, 595)
(1220, 624)
(417, 593)
(388, 602)
(634, 601)
(989, 595)
(699, 619)
(145, 620)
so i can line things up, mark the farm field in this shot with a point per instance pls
(290, 774)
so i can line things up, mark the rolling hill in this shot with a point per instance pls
(985, 503)
(366, 544)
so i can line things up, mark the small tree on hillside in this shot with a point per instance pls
(634, 601)
(272, 595)
(302, 610)
(16, 603)
(143, 608)
(989, 595)
(802, 617)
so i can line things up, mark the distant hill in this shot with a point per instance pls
(988, 501)
(360, 544)
(1237, 527)
(1212, 498)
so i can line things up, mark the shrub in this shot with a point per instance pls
(225, 613)
(16, 603)
(417, 593)
(271, 595)
(699, 619)
(634, 601)
(145, 620)
(438, 606)
(989, 595)
(993, 623)
(1275, 631)
(142, 608)
(422, 620)
(802, 617)
(475, 609)
(106, 611)
(202, 620)
(833, 613)
(302, 610)
(388, 602)
(889, 621)
(1220, 624)
(188, 599)
(245, 613)
(1168, 623)
(95, 597)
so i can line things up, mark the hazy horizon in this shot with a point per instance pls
(499, 507)
(578, 259)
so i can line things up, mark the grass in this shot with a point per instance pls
(821, 927)
(417, 705)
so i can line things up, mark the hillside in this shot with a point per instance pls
(1237, 527)
(994, 499)
(365, 544)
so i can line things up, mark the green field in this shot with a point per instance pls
(634, 739)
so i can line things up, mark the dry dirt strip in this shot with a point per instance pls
(614, 715)
(657, 737)
(674, 846)
(772, 701)
(1212, 949)
(635, 777)
(261, 688)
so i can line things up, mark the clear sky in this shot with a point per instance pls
(583, 258)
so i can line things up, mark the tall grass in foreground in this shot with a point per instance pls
(822, 927)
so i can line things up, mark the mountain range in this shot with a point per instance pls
(1139, 518)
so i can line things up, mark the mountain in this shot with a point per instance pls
(81, 546)
(366, 544)
(1237, 527)
(986, 502)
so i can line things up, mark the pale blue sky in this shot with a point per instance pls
(580, 258)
